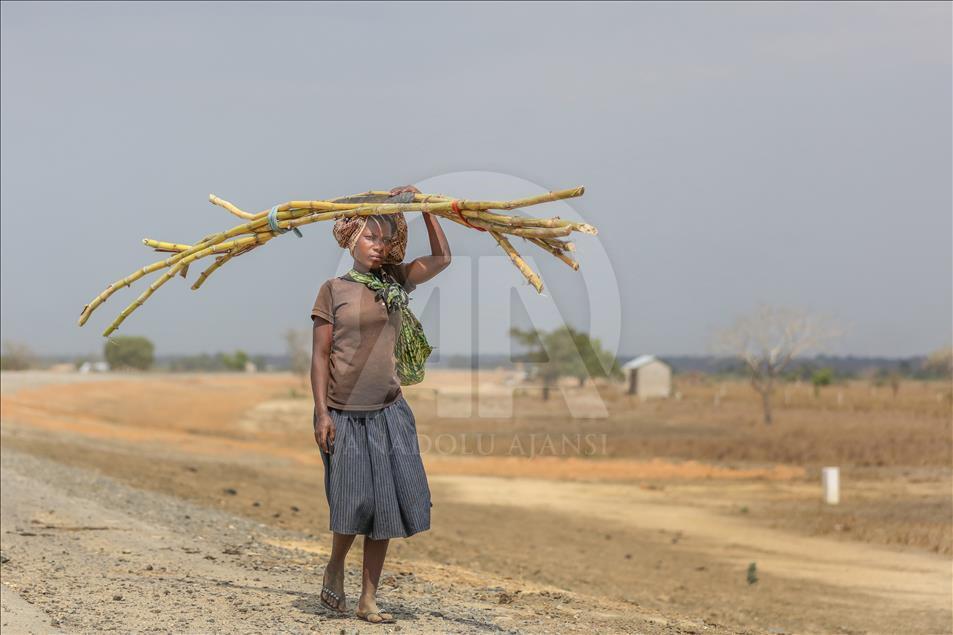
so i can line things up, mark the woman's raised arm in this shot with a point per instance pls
(424, 268)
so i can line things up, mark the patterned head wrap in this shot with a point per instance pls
(348, 229)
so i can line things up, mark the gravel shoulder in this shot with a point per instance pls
(87, 553)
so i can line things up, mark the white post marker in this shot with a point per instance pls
(830, 479)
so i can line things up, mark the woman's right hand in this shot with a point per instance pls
(324, 430)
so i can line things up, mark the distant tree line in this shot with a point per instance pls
(125, 352)
(840, 368)
(843, 367)
(213, 362)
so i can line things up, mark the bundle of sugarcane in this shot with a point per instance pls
(260, 228)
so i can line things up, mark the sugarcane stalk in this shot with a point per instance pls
(221, 260)
(563, 245)
(543, 232)
(556, 252)
(518, 261)
(135, 304)
(211, 241)
(516, 225)
(159, 245)
(512, 221)
(540, 232)
(231, 208)
(443, 205)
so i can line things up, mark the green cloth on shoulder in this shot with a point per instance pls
(411, 348)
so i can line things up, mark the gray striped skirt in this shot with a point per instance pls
(374, 477)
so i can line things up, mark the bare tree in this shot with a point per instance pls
(17, 356)
(939, 363)
(299, 352)
(768, 339)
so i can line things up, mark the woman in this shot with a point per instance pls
(373, 474)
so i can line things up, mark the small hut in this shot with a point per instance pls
(647, 377)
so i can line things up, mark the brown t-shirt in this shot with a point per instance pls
(362, 366)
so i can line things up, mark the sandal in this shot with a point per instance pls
(337, 600)
(326, 590)
(375, 617)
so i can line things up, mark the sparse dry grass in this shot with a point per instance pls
(894, 453)
(850, 425)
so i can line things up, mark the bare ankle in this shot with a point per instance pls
(367, 600)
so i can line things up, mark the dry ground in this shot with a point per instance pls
(651, 532)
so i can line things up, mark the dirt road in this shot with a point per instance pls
(86, 553)
(921, 580)
(106, 500)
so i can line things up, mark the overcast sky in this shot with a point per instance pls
(794, 154)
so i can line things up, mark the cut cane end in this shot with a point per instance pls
(84, 315)
(588, 229)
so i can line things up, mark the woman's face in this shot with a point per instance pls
(373, 244)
